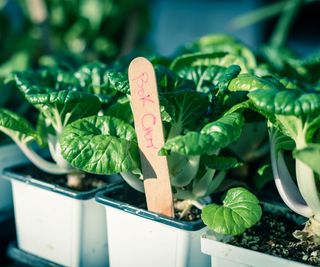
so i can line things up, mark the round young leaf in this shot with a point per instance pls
(240, 210)
(101, 145)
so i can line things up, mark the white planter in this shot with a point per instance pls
(58, 224)
(227, 255)
(140, 238)
(10, 155)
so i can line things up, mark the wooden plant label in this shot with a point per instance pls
(149, 129)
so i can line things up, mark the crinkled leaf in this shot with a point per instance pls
(189, 106)
(249, 82)
(93, 77)
(17, 127)
(100, 144)
(202, 77)
(286, 102)
(240, 210)
(55, 92)
(121, 109)
(221, 43)
(213, 136)
(230, 73)
(118, 81)
(220, 163)
(309, 155)
(168, 81)
(223, 59)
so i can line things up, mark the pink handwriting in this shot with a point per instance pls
(148, 122)
(141, 81)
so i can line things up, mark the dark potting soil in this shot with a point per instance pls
(138, 200)
(273, 235)
(89, 182)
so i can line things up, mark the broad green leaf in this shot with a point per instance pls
(93, 78)
(221, 43)
(230, 73)
(17, 127)
(101, 145)
(240, 210)
(223, 59)
(286, 102)
(57, 95)
(213, 136)
(220, 163)
(202, 77)
(119, 81)
(309, 155)
(225, 130)
(169, 81)
(189, 106)
(121, 109)
(249, 82)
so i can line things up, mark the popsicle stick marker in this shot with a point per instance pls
(149, 129)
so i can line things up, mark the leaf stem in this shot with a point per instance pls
(40, 162)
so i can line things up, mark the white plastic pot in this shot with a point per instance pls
(58, 224)
(10, 155)
(140, 238)
(227, 255)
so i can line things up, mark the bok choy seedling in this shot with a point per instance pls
(193, 97)
(60, 97)
(294, 122)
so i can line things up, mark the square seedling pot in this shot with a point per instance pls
(227, 255)
(137, 237)
(58, 224)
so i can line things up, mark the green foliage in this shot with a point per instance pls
(240, 210)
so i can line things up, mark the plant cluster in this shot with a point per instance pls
(208, 92)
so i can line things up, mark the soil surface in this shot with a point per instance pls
(89, 182)
(137, 199)
(273, 235)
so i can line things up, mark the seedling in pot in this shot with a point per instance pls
(61, 97)
(195, 134)
(293, 116)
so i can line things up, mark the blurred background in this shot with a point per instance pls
(105, 29)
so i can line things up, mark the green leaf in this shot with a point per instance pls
(58, 95)
(93, 77)
(202, 77)
(249, 82)
(309, 155)
(101, 145)
(169, 81)
(221, 43)
(118, 81)
(220, 163)
(223, 59)
(121, 109)
(189, 106)
(17, 127)
(230, 73)
(286, 102)
(213, 136)
(240, 210)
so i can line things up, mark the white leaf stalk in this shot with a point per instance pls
(303, 197)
